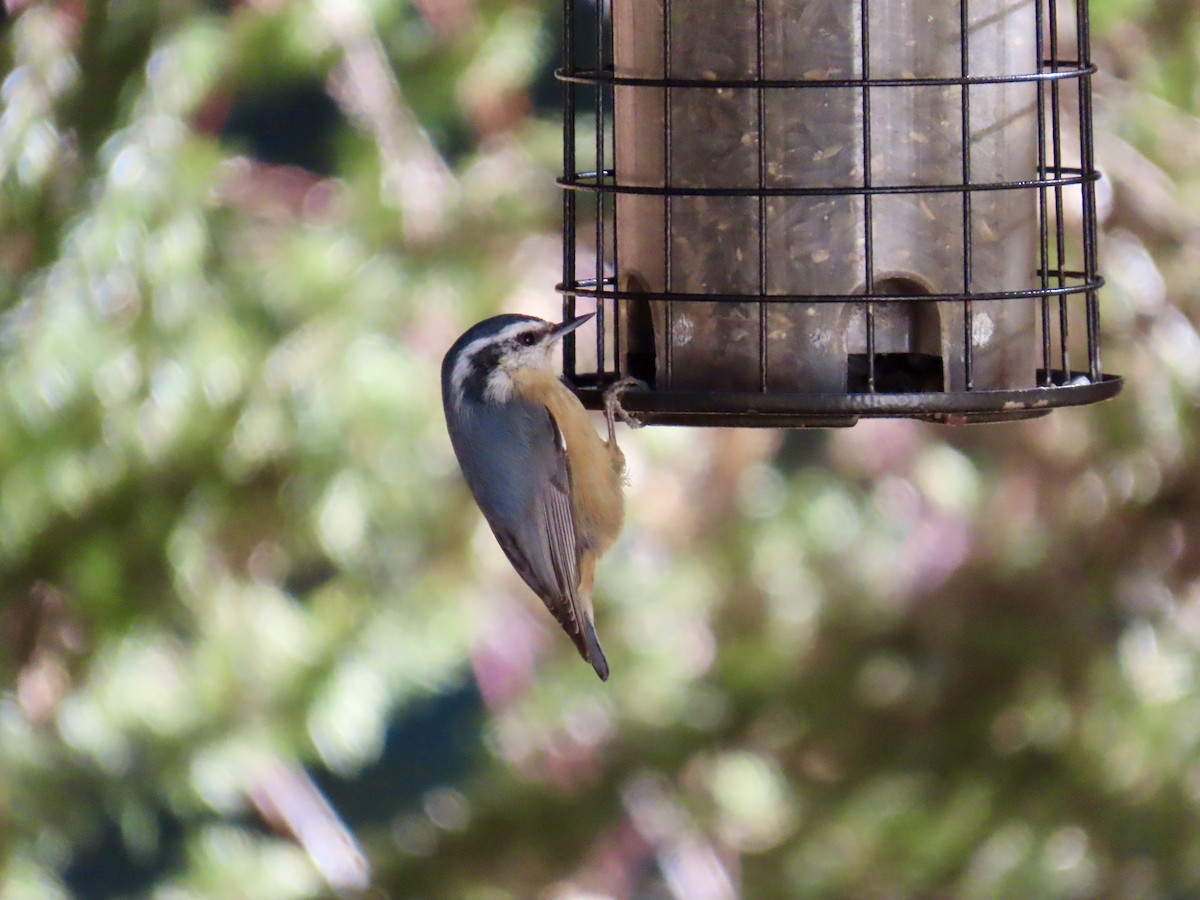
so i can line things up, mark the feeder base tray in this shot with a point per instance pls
(766, 410)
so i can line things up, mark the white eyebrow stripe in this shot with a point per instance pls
(462, 368)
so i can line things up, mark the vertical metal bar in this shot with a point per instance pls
(1059, 222)
(618, 360)
(569, 171)
(1087, 163)
(868, 230)
(600, 194)
(619, 367)
(968, 313)
(1043, 204)
(760, 74)
(667, 183)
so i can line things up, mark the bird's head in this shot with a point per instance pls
(479, 367)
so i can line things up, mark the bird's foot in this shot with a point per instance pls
(612, 403)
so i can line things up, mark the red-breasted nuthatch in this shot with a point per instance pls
(548, 486)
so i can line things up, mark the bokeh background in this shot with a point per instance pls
(256, 642)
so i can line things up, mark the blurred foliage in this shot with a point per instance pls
(256, 642)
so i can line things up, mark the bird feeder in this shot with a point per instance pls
(802, 212)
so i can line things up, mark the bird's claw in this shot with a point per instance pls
(612, 401)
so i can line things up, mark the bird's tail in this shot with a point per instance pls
(581, 600)
(594, 655)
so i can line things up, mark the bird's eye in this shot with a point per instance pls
(527, 340)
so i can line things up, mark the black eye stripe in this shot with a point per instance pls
(528, 339)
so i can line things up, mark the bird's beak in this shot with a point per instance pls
(564, 328)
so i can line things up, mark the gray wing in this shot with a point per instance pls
(523, 487)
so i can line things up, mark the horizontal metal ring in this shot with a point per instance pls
(587, 288)
(587, 182)
(607, 77)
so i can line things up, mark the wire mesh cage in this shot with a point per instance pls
(801, 212)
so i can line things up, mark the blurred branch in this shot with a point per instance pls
(416, 180)
(448, 18)
(691, 865)
(1148, 195)
(44, 637)
(276, 192)
(288, 799)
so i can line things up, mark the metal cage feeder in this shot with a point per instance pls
(802, 212)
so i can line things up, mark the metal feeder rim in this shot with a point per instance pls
(580, 290)
(608, 77)
(588, 183)
(800, 420)
(908, 405)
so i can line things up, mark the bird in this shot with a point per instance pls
(545, 481)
